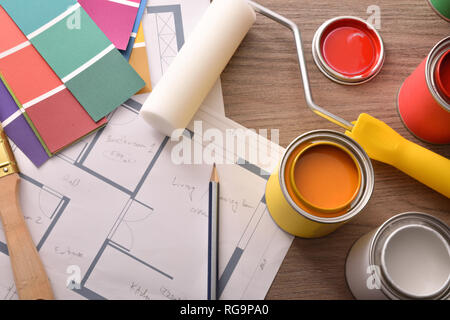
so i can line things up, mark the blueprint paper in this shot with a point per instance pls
(106, 206)
(167, 23)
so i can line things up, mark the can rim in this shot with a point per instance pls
(333, 74)
(367, 174)
(430, 67)
(389, 288)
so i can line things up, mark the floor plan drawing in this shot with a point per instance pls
(168, 25)
(140, 235)
(113, 216)
(44, 206)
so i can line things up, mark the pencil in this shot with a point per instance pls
(213, 236)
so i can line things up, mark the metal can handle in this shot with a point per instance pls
(301, 61)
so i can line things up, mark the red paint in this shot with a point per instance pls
(350, 48)
(348, 51)
(442, 76)
(420, 111)
(61, 120)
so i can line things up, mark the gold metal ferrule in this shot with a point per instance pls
(8, 163)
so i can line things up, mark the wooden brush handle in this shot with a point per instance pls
(29, 274)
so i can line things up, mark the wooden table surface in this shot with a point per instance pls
(262, 89)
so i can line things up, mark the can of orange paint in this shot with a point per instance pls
(348, 50)
(424, 97)
(407, 257)
(441, 7)
(324, 179)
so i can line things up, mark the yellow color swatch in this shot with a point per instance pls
(139, 60)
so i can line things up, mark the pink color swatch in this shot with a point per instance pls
(114, 17)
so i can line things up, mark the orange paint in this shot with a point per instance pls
(326, 177)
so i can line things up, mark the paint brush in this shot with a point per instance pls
(29, 274)
(213, 235)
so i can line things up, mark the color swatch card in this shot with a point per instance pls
(19, 130)
(137, 22)
(139, 60)
(114, 17)
(78, 52)
(56, 116)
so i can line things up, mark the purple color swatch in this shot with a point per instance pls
(8, 106)
(19, 131)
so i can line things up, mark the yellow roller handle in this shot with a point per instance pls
(382, 143)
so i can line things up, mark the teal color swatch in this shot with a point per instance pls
(105, 85)
(30, 15)
(66, 49)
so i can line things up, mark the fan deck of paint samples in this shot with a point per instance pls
(61, 70)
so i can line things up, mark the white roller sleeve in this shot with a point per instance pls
(183, 87)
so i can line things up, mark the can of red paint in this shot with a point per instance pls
(441, 7)
(424, 98)
(348, 50)
(407, 257)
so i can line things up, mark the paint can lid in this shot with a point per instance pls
(412, 253)
(348, 50)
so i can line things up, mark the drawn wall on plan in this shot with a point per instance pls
(166, 25)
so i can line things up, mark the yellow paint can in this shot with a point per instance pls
(296, 216)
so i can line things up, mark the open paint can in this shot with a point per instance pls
(424, 98)
(324, 179)
(407, 257)
(348, 50)
(441, 7)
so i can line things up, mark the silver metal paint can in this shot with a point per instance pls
(341, 75)
(407, 257)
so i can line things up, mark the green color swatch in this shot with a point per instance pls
(105, 85)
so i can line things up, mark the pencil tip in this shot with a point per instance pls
(214, 175)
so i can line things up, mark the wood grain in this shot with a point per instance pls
(30, 276)
(262, 89)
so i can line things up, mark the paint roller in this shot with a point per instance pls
(198, 65)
